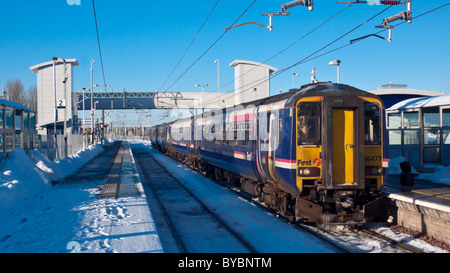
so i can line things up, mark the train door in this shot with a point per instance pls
(263, 118)
(344, 142)
(343, 146)
(272, 144)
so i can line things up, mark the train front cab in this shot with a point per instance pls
(339, 157)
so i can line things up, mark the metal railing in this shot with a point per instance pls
(66, 147)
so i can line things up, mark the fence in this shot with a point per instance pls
(66, 147)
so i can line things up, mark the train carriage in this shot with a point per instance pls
(314, 153)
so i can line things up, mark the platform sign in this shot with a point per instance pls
(61, 104)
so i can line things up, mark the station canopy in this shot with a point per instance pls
(423, 102)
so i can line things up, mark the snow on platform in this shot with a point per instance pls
(68, 217)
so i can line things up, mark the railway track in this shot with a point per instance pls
(353, 239)
(369, 241)
(187, 216)
(391, 241)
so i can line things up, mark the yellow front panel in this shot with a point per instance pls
(373, 156)
(343, 146)
(307, 156)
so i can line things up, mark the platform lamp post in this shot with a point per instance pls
(92, 99)
(84, 120)
(218, 82)
(95, 122)
(338, 64)
(203, 89)
(293, 79)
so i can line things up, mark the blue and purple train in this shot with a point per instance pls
(313, 153)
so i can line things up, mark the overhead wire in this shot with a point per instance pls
(190, 45)
(211, 46)
(312, 57)
(99, 46)
(264, 79)
(309, 58)
(283, 50)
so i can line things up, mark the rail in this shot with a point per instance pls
(155, 188)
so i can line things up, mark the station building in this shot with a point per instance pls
(17, 127)
(62, 77)
(394, 93)
(407, 134)
(419, 129)
(251, 80)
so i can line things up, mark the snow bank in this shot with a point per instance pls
(441, 175)
(25, 176)
(20, 179)
(65, 167)
(394, 165)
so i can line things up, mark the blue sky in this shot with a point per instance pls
(143, 40)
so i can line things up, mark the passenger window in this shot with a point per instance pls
(411, 137)
(395, 137)
(394, 120)
(308, 123)
(411, 119)
(246, 127)
(372, 124)
(1, 119)
(9, 118)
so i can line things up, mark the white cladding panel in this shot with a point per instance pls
(251, 80)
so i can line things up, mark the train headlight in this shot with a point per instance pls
(374, 170)
(309, 171)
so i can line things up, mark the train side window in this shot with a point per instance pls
(308, 123)
(280, 128)
(236, 129)
(372, 122)
(246, 127)
(224, 133)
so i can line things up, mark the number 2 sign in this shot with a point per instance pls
(61, 104)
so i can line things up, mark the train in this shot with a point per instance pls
(312, 154)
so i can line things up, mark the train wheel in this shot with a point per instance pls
(210, 173)
(218, 173)
(231, 179)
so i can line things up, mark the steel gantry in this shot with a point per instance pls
(126, 100)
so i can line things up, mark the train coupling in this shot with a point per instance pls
(314, 213)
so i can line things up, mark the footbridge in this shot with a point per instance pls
(150, 100)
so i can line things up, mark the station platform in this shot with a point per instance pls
(424, 206)
(116, 216)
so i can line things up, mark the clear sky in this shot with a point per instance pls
(143, 40)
